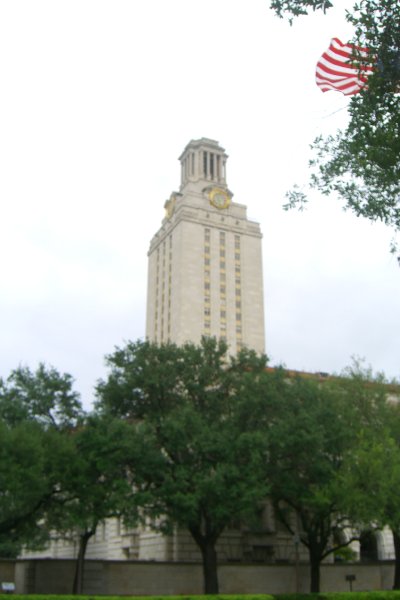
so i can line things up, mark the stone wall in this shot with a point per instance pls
(49, 576)
(7, 572)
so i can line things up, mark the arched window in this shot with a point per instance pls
(368, 546)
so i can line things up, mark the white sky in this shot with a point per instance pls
(97, 100)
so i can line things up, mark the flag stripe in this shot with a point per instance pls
(335, 70)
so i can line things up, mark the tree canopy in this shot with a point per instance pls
(188, 437)
(35, 407)
(361, 165)
(204, 462)
(372, 475)
(95, 483)
(311, 443)
(44, 396)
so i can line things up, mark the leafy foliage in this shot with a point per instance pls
(36, 409)
(361, 164)
(95, 483)
(44, 396)
(373, 475)
(204, 460)
(313, 438)
(296, 8)
(28, 482)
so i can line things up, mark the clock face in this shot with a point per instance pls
(219, 198)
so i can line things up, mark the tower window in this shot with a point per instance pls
(205, 163)
(212, 165)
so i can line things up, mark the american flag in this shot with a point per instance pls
(336, 69)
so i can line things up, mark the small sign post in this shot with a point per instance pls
(350, 579)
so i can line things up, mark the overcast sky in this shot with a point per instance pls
(98, 99)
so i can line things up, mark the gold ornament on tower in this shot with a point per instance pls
(219, 198)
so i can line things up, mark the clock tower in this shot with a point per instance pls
(205, 266)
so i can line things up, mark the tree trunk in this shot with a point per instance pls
(210, 568)
(314, 573)
(396, 541)
(80, 562)
(206, 536)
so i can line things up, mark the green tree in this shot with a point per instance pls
(28, 483)
(361, 164)
(36, 411)
(95, 484)
(373, 476)
(80, 462)
(44, 396)
(295, 8)
(312, 438)
(203, 460)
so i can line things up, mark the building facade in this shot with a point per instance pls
(204, 279)
(205, 263)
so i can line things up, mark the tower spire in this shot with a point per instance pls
(203, 161)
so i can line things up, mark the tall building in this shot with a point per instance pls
(205, 264)
(205, 278)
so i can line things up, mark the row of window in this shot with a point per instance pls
(162, 314)
(238, 282)
(222, 285)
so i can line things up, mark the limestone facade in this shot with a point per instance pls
(205, 265)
